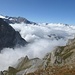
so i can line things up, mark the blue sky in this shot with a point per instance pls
(56, 11)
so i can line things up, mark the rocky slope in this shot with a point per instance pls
(9, 37)
(63, 55)
(60, 61)
(24, 66)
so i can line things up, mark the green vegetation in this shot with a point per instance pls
(67, 55)
(65, 52)
(61, 49)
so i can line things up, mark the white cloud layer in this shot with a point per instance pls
(42, 39)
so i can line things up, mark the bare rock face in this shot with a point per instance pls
(1, 73)
(9, 37)
(24, 66)
(62, 55)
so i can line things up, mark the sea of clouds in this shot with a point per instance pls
(40, 41)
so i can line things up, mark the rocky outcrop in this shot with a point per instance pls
(10, 71)
(62, 55)
(28, 64)
(54, 36)
(9, 37)
(24, 66)
(1, 73)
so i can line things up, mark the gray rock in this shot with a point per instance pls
(1, 73)
(9, 37)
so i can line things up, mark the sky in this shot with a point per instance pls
(49, 11)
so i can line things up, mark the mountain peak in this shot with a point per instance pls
(13, 20)
(8, 36)
(1, 16)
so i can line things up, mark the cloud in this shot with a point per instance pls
(39, 42)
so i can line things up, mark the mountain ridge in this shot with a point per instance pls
(9, 38)
(19, 19)
(13, 20)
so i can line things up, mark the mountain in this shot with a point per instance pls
(13, 20)
(9, 38)
(51, 48)
(60, 61)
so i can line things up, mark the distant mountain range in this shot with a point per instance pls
(13, 20)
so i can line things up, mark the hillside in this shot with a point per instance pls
(60, 61)
(9, 38)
